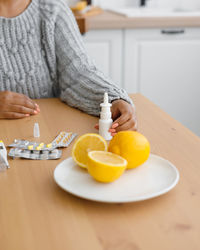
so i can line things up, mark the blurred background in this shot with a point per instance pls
(173, 4)
(150, 47)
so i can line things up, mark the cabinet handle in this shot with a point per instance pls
(173, 32)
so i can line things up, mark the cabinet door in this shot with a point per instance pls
(166, 68)
(105, 48)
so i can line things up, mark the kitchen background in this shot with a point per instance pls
(172, 4)
(152, 53)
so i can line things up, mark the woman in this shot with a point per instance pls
(42, 55)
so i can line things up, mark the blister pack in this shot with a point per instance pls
(63, 139)
(35, 154)
(40, 151)
(24, 144)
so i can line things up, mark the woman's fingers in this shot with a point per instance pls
(123, 119)
(14, 115)
(96, 126)
(37, 107)
(115, 125)
(25, 101)
(14, 105)
(128, 125)
(127, 121)
(21, 109)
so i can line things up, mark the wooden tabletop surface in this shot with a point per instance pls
(111, 20)
(35, 214)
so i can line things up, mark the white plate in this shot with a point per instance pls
(155, 177)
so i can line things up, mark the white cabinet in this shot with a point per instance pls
(105, 48)
(164, 65)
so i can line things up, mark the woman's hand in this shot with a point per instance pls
(123, 115)
(14, 105)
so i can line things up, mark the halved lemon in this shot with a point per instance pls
(105, 166)
(85, 144)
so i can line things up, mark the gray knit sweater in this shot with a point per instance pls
(42, 55)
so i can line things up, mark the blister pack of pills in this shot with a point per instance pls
(63, 139)
(40, 151)
(35, 154)
(28, 145)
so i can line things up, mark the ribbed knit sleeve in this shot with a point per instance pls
(81, 84)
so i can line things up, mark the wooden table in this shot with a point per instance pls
(111, 20)
(35, 214)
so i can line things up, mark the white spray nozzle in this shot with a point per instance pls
(36, 130)
(105, 108)
(105, 100)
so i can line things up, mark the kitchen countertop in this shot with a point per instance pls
(35, 214)
(110, 20)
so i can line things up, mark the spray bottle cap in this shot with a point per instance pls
(105, 101)
(36, 130)
(105, 108)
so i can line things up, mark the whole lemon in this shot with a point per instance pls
(132, 146)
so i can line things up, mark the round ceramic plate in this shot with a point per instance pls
(155, 177)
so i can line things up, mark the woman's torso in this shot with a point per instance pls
(27, 52)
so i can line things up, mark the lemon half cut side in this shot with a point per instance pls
(105, 166)
(85, 144)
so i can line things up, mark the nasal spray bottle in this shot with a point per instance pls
(105, 121)
(3, 157)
